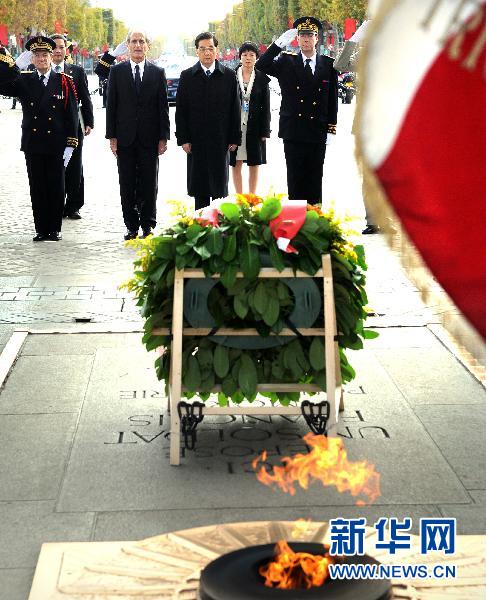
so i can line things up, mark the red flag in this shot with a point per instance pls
(58, 28)
(3, 34)
(288, 223)
(349, 28)
(422, 131)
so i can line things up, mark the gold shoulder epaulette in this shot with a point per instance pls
(27, 71)
(289, 52)
(6, 58)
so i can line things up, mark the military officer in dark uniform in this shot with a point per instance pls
(49, 130)
(74, 182)
(308, 111)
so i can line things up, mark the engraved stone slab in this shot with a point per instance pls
(124, 426)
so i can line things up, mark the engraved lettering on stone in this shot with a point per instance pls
(121, 439)
(383, 431)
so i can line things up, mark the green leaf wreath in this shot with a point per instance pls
(238, 241)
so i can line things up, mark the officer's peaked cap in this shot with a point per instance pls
(307, 25)
(40, 42)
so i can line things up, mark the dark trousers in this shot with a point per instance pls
(304, 170)
(46, 182)
(201, 201)
(74, 183)
(138, 169)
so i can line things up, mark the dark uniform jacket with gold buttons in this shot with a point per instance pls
(309, 106)
(81, 84)
(50, 112)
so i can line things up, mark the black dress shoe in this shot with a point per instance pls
(39, 237)
(74, 215)
(130, 235)
(55, 236)
(370, 229)
(146, 233)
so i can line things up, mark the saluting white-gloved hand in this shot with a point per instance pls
(122, 48)
(23, 60)
(285, 39)
(68, 152)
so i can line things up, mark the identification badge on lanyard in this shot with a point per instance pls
(246, 105)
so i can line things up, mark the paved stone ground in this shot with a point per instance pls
(83, 422)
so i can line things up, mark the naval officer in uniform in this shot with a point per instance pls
(49, 130)
(74, 183)
(308, 111)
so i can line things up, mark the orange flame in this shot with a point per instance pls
(328, 463)
(293, 570)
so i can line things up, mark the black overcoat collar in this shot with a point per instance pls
(198, 70)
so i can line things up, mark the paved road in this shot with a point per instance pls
(85, 269)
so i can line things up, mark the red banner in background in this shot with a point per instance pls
(3, 34)
(349, 28)
(58, 28)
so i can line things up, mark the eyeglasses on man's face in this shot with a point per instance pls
(206, 49)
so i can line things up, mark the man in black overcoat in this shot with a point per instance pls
(137, 125)
(74, 173)
(308, 111)
(207, 122)
(49, 129)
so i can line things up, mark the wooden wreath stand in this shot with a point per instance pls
(328, 332)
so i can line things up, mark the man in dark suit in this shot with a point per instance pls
(74, 172)
(308, 111)
(207, 121)
(49, 129)
(137, 125)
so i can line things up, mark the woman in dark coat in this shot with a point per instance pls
(254, 95)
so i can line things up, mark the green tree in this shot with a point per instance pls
(255, 11)
(76, 19)
(293, 9)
